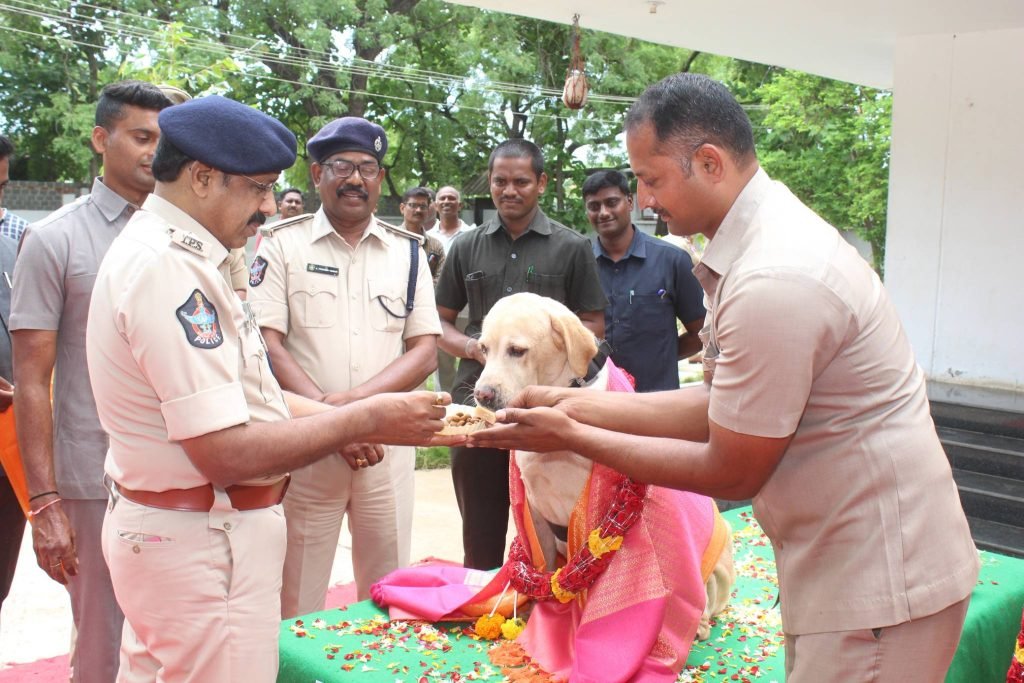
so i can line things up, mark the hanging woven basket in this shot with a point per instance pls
(574, 93)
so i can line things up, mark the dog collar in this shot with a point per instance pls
(604, 350)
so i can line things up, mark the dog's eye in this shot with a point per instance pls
(516, 351)
(483, 349)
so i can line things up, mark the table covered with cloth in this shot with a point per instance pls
(358, 643)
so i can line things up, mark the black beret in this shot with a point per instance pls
(348, 134)
(229, 136)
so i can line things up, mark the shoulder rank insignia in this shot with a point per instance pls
(401, 231)
(257, 270)
(198, 318)
(188, 241)
(269, 230)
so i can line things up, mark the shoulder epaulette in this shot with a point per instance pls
(268, 230)
(189, 242)
(400, 231)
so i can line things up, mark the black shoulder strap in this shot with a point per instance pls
(410, 290)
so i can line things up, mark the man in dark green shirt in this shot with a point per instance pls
(520, 250)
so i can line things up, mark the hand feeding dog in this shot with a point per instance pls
(533, 340)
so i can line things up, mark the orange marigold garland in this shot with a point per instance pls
(589, 561)
(491, 626)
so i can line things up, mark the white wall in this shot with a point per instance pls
(955, 246)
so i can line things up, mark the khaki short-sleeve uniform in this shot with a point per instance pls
(173, 355)
(343, 311)
(862, 510)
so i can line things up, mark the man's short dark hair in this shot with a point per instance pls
(115, 96)
(518, 148)
(168, 161)
(290, 190)
(6, 147)
(599, 180)
(689, 110)
(418, 192)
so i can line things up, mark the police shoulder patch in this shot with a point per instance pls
(257, 271)
(269, 230)
(188, 241)
(198, 317)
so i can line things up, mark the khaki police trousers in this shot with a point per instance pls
(200, 591)
(378, 501)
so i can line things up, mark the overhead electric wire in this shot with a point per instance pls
(338, 89)
(312, 60)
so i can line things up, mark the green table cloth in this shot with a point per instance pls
(358, 644)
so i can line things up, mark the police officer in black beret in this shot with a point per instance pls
(200, 436)
(346, 306)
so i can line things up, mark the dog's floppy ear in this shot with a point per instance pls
(579, 343)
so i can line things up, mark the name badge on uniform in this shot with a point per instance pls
(323, 270)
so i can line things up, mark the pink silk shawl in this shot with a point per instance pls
(639, 618)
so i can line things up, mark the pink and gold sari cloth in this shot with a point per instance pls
(639, 618)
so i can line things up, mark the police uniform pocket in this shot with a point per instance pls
(653, 314)
(482, 292)
(387, 304)
(313, 299)
(551, 286)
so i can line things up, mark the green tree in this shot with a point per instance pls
(829, 142)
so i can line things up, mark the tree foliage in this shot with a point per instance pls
(448, 82)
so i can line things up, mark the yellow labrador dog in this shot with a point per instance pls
(529, 339)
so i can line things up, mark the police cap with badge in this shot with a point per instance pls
(235, 139)
(229, 136)
(348, 134)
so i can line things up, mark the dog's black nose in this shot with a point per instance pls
(484, 397)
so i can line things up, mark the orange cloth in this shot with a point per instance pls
(10, 457)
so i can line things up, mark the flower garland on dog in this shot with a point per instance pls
(579, 574)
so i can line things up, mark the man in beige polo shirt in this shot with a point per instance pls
(200, 435)
(346, 305)
(813, 406)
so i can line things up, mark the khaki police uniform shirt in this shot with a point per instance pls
(172, 354)
(862, 510)
(340, 306)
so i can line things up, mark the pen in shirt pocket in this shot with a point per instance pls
(662, 293)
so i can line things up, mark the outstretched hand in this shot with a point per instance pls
(541, 430)
(412, 419)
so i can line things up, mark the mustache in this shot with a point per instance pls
(258, 218)
(353, 189)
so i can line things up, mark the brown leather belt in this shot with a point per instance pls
(200, 498)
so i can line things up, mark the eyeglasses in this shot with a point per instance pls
(341, 168)
(417, 207)
(262, 188)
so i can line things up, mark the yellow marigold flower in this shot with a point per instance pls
(599, 546)
(560, 593)
(512, 628)
(489, 626)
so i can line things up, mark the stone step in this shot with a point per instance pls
(1001, 456)
(978, 409)
(996, 499)
(998, 538)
